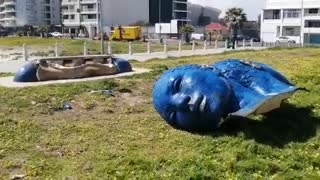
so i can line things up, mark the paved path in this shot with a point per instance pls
(13, 66)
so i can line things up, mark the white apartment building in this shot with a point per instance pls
(85, 14)
(17, 13)
(295, 19)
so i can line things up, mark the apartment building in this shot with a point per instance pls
(82, 16)
(17, 13)
(298, 20)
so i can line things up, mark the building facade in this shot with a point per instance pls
(296, 19)
(84, 15)
(17, 13)
(163, 11)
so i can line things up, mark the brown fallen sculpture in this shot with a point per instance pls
(71, 68)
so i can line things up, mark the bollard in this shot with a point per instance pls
(251, 42)
(149, 47)
(193, 46)
(109, 48)
(25, 52)
(165, 50)
(243, 43)
(205, 45)
(85, 49)
(130, 48)
(216, 44)
(180, 46)
(56, 50)
(226, 44)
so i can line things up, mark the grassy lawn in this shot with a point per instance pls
(123, 137)
(75, 47)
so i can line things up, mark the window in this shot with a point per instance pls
(313, 11)
(291, 31)
(276, 14)
(292, 13)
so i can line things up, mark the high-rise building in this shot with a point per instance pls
(17, 13)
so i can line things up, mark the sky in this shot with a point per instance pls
(252, 7)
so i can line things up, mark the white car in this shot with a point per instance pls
(195, 36)
(284, 40)
(56, 34)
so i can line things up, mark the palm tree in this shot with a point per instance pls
(234, 18)
(187, 30)
(42, 30)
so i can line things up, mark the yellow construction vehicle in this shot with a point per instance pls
(129, 33)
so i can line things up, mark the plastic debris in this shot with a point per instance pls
(67, 106)
(104, 92)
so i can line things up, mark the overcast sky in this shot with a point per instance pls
(251, 7)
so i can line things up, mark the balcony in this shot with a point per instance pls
(88, 1)
(9, 2)
(88, 10)
(67, 2)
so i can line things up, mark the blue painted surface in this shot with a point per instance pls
(123, 65)
(315, 38)
(194, 97)
(27, 73)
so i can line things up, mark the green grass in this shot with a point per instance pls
(123, 137)
(75, 47)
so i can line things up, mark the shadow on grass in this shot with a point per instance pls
(277, 128)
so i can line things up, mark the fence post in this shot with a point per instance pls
(236, 45)
(205, 45)
(85, 49)
(165, 50)
(243, 43)
(56, 50)
(193, 46)
(226, 44)
(130, 48)
(251, 42)
(25, 52)
(109, 48)
(216, 44)
(180, 46)
(149, 47)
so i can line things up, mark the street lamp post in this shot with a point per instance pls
(101, 28)
(160, 20)
(301, 27)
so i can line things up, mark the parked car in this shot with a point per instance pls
(56, 34)
(98, 37)
(3, 33)
(81, 35)
(284, 40)
(242, 37)
(195, 36)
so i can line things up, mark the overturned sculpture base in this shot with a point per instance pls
(8, 81)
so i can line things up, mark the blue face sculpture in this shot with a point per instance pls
(194, 97)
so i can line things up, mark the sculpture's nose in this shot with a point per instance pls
(181, 101)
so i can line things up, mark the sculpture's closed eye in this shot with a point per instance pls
(177, 84)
